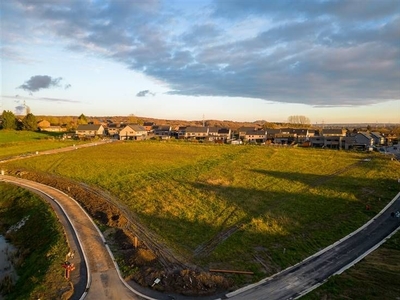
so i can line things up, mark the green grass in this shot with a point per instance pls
(288, 203)
(15, 142)
(40, 242)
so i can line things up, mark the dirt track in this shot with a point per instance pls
(149, 260)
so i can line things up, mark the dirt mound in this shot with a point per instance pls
(140, 255)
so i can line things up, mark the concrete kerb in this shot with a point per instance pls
(366, 253)
(262, 281)
(349, 265)
(113, 258)
(89, 279)
(108, 249)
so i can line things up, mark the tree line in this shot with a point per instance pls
(10, 121)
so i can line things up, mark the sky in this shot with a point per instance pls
(240, 60)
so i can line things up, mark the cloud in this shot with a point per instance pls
(17, 99)
(19, 109)
(320, 53)
(67, 86)
(38, 82)
(144, 93)
(14, 54)
(58, 100)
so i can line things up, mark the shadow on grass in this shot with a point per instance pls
(274, 229)
(338, 181)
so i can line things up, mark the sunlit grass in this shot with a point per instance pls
(290, 202)
(14, 142)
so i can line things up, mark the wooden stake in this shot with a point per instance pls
(231, 271)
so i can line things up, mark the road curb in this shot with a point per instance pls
(262, 281)
(89, 279)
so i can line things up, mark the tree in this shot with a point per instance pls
(29, 122)
(299, 120)
(82, 119)
(9, 120)
(268, 125)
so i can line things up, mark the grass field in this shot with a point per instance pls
(41, 245)
(276, 206)
(14, 142)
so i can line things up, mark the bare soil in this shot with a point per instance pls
(150, 258)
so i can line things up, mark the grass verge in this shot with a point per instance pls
(250, 208)
(40, 242)
(15, 142)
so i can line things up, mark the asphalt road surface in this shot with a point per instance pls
(293, 282)
(105, 282)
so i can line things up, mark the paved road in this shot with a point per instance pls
(58, 150)
(105, 282)
(293, 282)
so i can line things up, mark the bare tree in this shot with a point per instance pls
(299, 120)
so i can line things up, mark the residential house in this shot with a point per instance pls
(333, 132)
(212, 132)
(379, 140)
(54, 129)
(197, 133)
(285, 138)
(333, 137)
(364, 139)
(180, 132)
(255, 136)
(224, 134)
(219, 134)
(148, 126)
(303, 134)
(133, 132)
(271, 133)
(243, 130)
(317, 141)
(333, 141)
(391, 138)
(43, 124)
(113, 129)
(162, 131)
(349, 142)
(90, 130)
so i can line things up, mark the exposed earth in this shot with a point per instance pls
(150, 258)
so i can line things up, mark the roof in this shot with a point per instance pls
(366, 134)
(245, 129)
(196, 129)
(89, 127)
(136, 128)
(255, 132)
(114, 125)
(300, 131)
(273, 131)
(162, 127)
(333, 131)
(376, 134)
(213, 129)
(224, 131)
